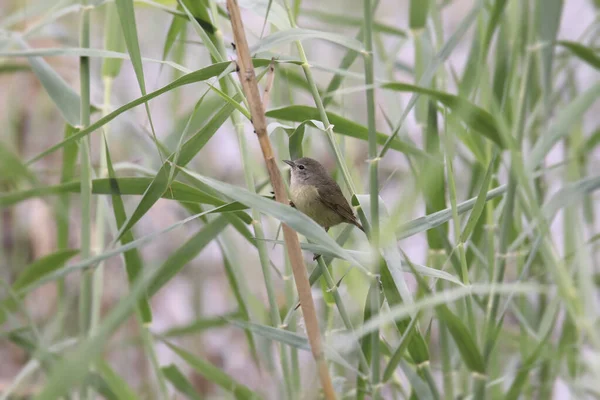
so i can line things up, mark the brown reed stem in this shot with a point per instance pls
(250, 88)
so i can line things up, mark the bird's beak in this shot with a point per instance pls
(290, 163)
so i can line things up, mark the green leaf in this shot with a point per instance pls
(133, 260)
(60, 92)
(123, 186)
(12, 168)
(342, 126)
(418, 14)
(185, 253)
(43, 266)
(584, 53)
(193, 77)
(180, 382)
(200, 325)
(480, 202)
(351, 21)
(370, 343)
(214, 374)
(291, 35)
(32, 273)
(199, 11)
(560, 127)
(71, 370)
(463, 339)
(113, 40)
(177, 25)
(477, 118)
(418, 348)
(400, 349)
(431, 221)
(115, 382)
(188, 151)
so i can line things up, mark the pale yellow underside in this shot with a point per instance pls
(306, 199)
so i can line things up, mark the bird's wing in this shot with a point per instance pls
(335, 200)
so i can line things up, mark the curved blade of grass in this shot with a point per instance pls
(446, 297)
(65, 98)
(466, 344)
(297, 34)
(43, 266)
(480, 202)
(12, 168)
(431, 221)
(199, 12)
(274, 12)
(418, 348)
(188, 151)
(31, 273)
(582, 52)
(365, 257)
(180, 382)
(126, 13)
(185, 253)
(477, 118)
(142, 241)
(113, 40)
(114, 55)
(286, 214)
(568, 116)
(440, 57)
(214, 374)
(133, 260)
(123, 186)
(346, 20)
(200, 325)
(193, 77)
(400, 349)
(115, 382)
(342, 126)
(370, 343)
(71, 370)
(291, 339)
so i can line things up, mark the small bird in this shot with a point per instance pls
(317, 195)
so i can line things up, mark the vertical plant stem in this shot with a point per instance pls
(370, 92)
(86, 174)
(373, 181)
(86, 299)
(250, 87)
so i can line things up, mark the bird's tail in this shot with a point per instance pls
(358, 225)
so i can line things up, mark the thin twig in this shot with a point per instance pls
(250, 87)
(269, 86)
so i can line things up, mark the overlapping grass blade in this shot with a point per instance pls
(294, 34)
(193, 77)
(214, 374)
(132, 258)
(123, 186)
(180, 382)
(342, 126)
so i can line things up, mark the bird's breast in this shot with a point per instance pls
(306, 199)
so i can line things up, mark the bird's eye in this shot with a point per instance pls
(300, 166)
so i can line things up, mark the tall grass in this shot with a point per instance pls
(469, 149)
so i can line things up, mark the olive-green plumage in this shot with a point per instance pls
(317, 195)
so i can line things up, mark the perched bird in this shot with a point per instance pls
(317, 195)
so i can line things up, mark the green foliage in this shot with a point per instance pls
(493, 192)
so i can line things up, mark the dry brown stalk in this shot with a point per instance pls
(257, 110)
